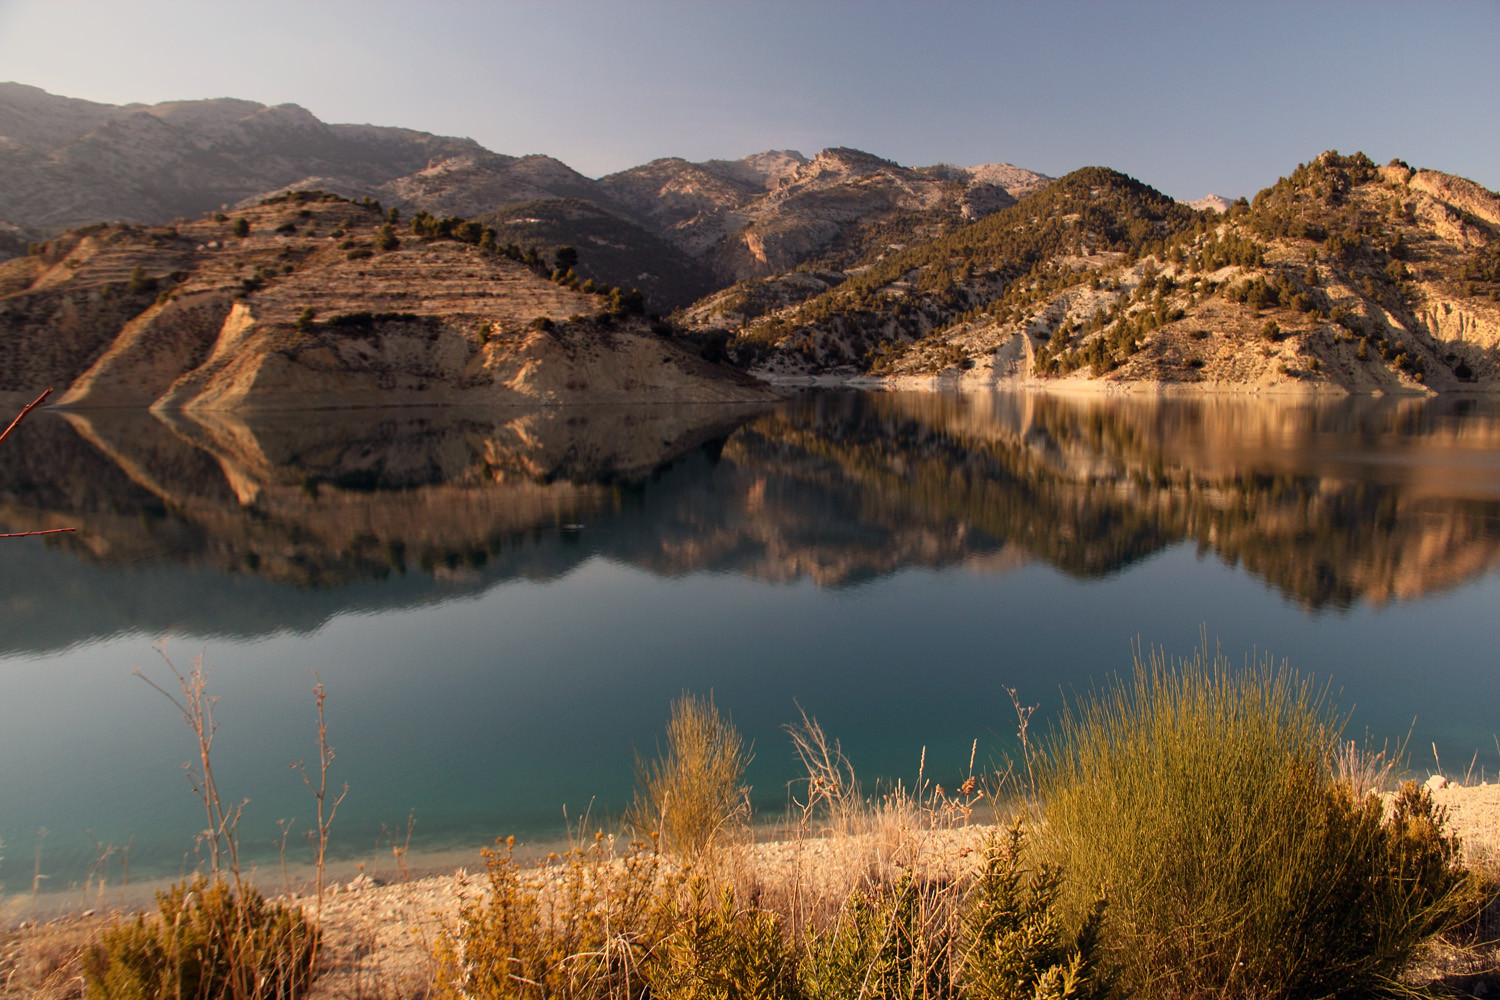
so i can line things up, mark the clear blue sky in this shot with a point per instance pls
(1189, 97)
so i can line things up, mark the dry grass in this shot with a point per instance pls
(692, 797)
(46, 962)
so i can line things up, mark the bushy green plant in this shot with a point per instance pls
(1016, 944)
(1202, 797)
(721, 951)
(205, 942)
(891, 942)
(692, 795)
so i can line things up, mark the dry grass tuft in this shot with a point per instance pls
(692, 796)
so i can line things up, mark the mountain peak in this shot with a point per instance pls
(852, 160)
(1217, 203)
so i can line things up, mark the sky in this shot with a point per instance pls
(1191, 98)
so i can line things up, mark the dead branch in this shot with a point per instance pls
(22, 416)
(13, 425)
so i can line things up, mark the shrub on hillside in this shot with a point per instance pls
(1203, 798)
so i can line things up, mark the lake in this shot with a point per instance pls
(502, 605)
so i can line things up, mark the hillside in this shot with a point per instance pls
(307, 301)
(777, 210)
(68, 162)
(674, 229)
(612, 248)
(1342, 277)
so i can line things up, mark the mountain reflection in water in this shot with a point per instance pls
(1330, 502)
(502, 604)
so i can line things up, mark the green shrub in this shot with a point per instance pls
(1016, 945)
(892, 942)
(140, 281)
(205, 942)
(1203, 798)
(691, 795)
(719, 950)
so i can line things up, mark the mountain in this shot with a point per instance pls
(68, 162)
(777, 210)
(674, 229)
(308, 301)
(1343, 277)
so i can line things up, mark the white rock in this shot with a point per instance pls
(1436, 782)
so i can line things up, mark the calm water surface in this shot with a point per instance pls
(502, 605)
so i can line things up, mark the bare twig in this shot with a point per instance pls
(22, 415)
(197, 708)
(319, 837)
(830, 777)
(285, 826)
(400, 850)
(1023, 722)
(13, 425)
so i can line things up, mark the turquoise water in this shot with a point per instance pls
(502, 606)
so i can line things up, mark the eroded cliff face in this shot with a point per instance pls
(294, 304)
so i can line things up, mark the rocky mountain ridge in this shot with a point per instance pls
(1343, 277)
(70, 163)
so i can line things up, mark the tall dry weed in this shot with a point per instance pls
(692, 796)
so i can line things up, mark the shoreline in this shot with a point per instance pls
(381, 931)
